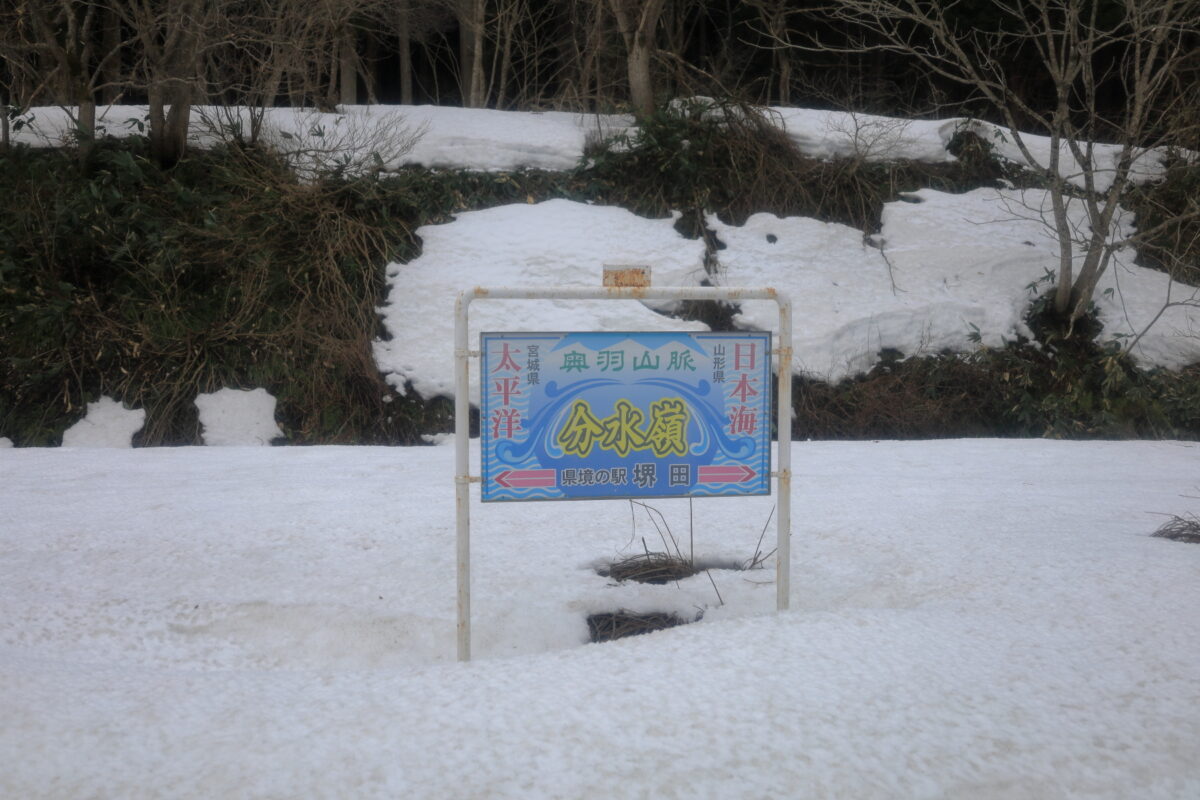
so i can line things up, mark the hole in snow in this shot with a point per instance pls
(607, 626)
(717, 315)
(772, 238)
(660, 568)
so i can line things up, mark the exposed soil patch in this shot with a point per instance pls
(619, 624)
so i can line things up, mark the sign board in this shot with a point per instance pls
(626, 276)
(567, 416)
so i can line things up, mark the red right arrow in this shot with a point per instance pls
(736, 473)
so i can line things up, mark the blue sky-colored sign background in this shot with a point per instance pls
(615, 415)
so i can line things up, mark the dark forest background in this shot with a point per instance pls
(587, 55)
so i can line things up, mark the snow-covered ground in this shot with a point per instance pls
(969, 619)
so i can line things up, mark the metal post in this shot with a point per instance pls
(783, 438)
(462, 417)
(462, 471)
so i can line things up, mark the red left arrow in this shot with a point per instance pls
(527, 478)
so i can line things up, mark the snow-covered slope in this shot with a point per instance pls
(943, 269)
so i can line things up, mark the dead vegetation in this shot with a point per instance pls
(733, 159)
(608, 626)
(1180, 529)
(649, 567)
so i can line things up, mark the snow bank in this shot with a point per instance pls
(555, 243)
(944, 267)
(236, 417)
(1147, 165)
(445, 136)
(107, 423)
(485, 139)
(503, 140)
(871, 137)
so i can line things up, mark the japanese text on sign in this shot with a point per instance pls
(609, 415)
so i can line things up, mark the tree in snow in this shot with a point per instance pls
(637, 20)
(1080, 71)
(65, 50)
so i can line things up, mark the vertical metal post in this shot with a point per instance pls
(783, 436)
(462, 471)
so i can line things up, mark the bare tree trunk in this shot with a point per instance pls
(347, 69)
(173, 142)
(641, 87)
(404, 31)
(111, 73)
(67, 36)
(170, 114)
(332, 90)
(785, 78)
(178, 89)
(156, 116)
(172, 36)
(506, 31)
(478, 87)
(773, 15)
(4, 131)
(370, 70)
(85, 122)
(270, 90)
(295, 96)
(466, 50)
(1062, 231)
(589, 78)
(638, 21)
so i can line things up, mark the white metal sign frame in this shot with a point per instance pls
(462, 416)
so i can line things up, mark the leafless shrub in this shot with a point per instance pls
(351, 144)
(869, 137)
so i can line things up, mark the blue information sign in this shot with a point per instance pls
(569, 416)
